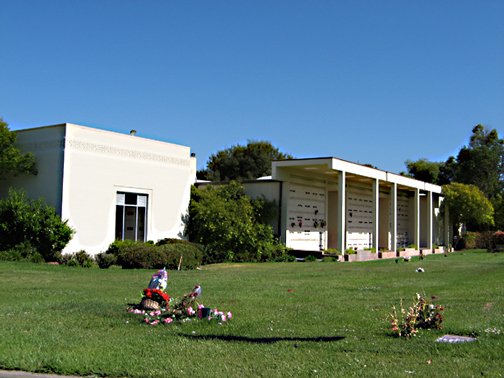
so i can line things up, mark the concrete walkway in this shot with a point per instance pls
(24, 374)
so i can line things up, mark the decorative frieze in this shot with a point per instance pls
(102, 149)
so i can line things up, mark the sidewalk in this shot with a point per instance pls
(24, 374)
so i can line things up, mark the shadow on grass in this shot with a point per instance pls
(262, 340)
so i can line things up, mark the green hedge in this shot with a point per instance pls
(165, 254)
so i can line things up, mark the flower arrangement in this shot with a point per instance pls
(156, 295)
(179, 311)
(421, 315)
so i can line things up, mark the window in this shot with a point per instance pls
(131, 216)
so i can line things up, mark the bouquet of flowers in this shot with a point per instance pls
(420, 314)
(184, 310)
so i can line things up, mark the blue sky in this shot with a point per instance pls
(374, 82)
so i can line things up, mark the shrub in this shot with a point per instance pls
(310, 258)
(136, 255)
(105, 260)
(275, 252)
(498, 238)
(476, 240)
(192, 255)
(350, 251)
(286, 258)
(32, 226)
(331, 251)
(80, 258)
(412, 246)
(232, 226)
(373, 250)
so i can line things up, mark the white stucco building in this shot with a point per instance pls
(108, 185)
(329, 203)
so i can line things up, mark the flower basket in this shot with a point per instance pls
(149, 304)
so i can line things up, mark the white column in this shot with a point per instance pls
(393, 221)
(376, 218)
(416, 236)
(430, 216)
(342, 212)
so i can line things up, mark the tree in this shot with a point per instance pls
(423, 170)
(12, 162)
(467, 204)
(242, 162)
(231, 225)
(481, 163)
(30, 229)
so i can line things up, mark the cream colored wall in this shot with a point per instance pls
(47, 145)
(98, 164)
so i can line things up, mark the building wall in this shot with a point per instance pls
(47, 144)
(81, 170)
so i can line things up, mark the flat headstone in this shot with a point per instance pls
(454, 339)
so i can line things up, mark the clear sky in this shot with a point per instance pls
(375, 82)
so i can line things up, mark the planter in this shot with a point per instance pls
(438, 250)
(387, 255)
(366, 255)
(411, 251)
(352, 257)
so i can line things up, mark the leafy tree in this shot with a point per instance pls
(231, 225)
(30, 229)
(481, 163)
(12, 162)
(242, 162)
(423, 170)
(467, 204)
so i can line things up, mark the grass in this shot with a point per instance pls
(68, 320)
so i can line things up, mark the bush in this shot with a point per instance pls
(192, 256)
(412, 246)
(31, 229)
(286, 258)
(310, 258)
(105, 260)
(136, 255)
(80, 258)
(350, 251)
(498, 238)
(476, 240)
(232, 226)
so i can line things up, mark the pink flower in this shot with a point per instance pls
(395, 329)
(137, 312)
(155, 322)
(200, 306)
(158, 312)
(152, 313)
(223, 317)
(146, 320)
(191, 311)
(168, 320)
(229, 315)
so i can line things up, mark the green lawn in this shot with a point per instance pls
(69, 320)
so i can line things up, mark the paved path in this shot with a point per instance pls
(24, 374)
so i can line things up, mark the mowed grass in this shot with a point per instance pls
(289, 319)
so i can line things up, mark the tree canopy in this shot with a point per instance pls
(242, 162)
(12, 162)
(479, 163)
(467, 204)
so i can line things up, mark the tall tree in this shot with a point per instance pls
(242, 162)
(12, 162)
(481, 163)
(467, 204)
